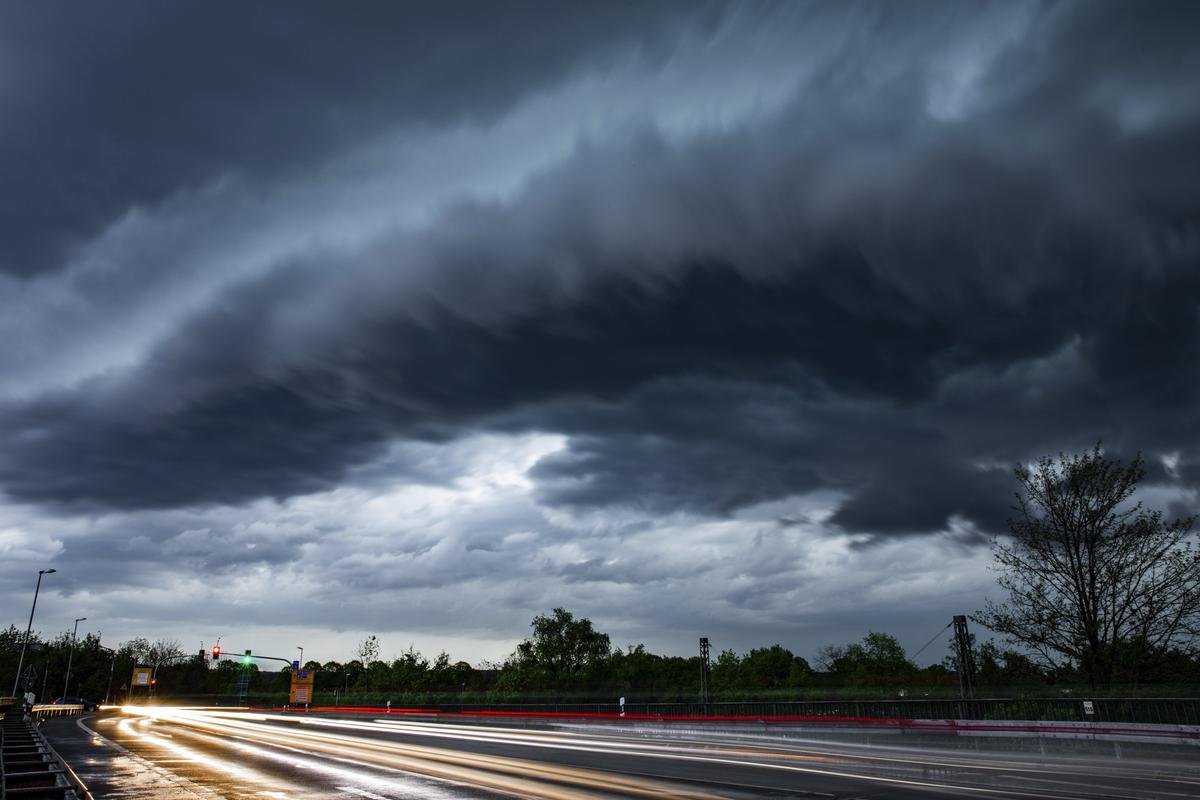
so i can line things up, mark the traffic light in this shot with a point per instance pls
(246, 658)
(216, 652)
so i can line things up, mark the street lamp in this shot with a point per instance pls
(29, 627)
(111, 669)
(71, 657)
(301, 649)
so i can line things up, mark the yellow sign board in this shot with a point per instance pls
(141, 676)
(302, 687)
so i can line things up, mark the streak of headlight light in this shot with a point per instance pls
(502, 736)
(518, 776)
(126, 727)
(533, 767)
(667, 751)
(353, 776)
(542, 739)
(465, 776)
(188, 754)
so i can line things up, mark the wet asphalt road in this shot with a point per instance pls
(192, 753)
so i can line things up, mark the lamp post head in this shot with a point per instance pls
(81, 619)
(46, 571)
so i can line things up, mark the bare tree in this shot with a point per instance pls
(143, 651)
(1094, 581)
(165, 651)
(368, 650)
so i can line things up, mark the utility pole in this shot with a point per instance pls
(71, 658)
(966, 661)
(705, 666)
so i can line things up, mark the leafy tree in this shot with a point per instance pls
(561, 650)
(330, 676)
(1094, 581)
(409, 672)
(774, 667)
(445, 675)
(726, 672)
(632, 667)
(878, 660)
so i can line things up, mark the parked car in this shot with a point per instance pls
(88, 705)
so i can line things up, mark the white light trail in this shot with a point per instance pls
(531, 778)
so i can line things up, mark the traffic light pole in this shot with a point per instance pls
(231, 654)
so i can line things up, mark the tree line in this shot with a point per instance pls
(565, 656)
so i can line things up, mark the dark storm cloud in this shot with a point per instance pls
(808, 300)
(126, 105)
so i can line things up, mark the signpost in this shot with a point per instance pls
(302, 687)
(143, 677)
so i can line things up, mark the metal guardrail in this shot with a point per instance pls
(57, 710)
(1160, 711)
(1148, 710)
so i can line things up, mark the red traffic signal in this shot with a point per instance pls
(216, 651)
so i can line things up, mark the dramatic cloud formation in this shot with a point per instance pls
(695, 319)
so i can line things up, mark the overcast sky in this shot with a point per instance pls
(321, 320)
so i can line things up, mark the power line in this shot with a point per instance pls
(913, 657)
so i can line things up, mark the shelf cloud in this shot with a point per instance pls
(488, 310)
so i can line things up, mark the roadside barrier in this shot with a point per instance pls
(52, 710)
(29, 767)
(1107, 710)
(1154, 711)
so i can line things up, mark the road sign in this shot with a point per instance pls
(302, 687)
(141, 676)
(295, 665)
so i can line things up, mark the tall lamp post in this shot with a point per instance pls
(111, 669)
(71, 657)
(301, 649)
(28, 628)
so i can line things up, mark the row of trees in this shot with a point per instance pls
(567, 656)
(567, 653)
(564, 656)
(96, 670)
